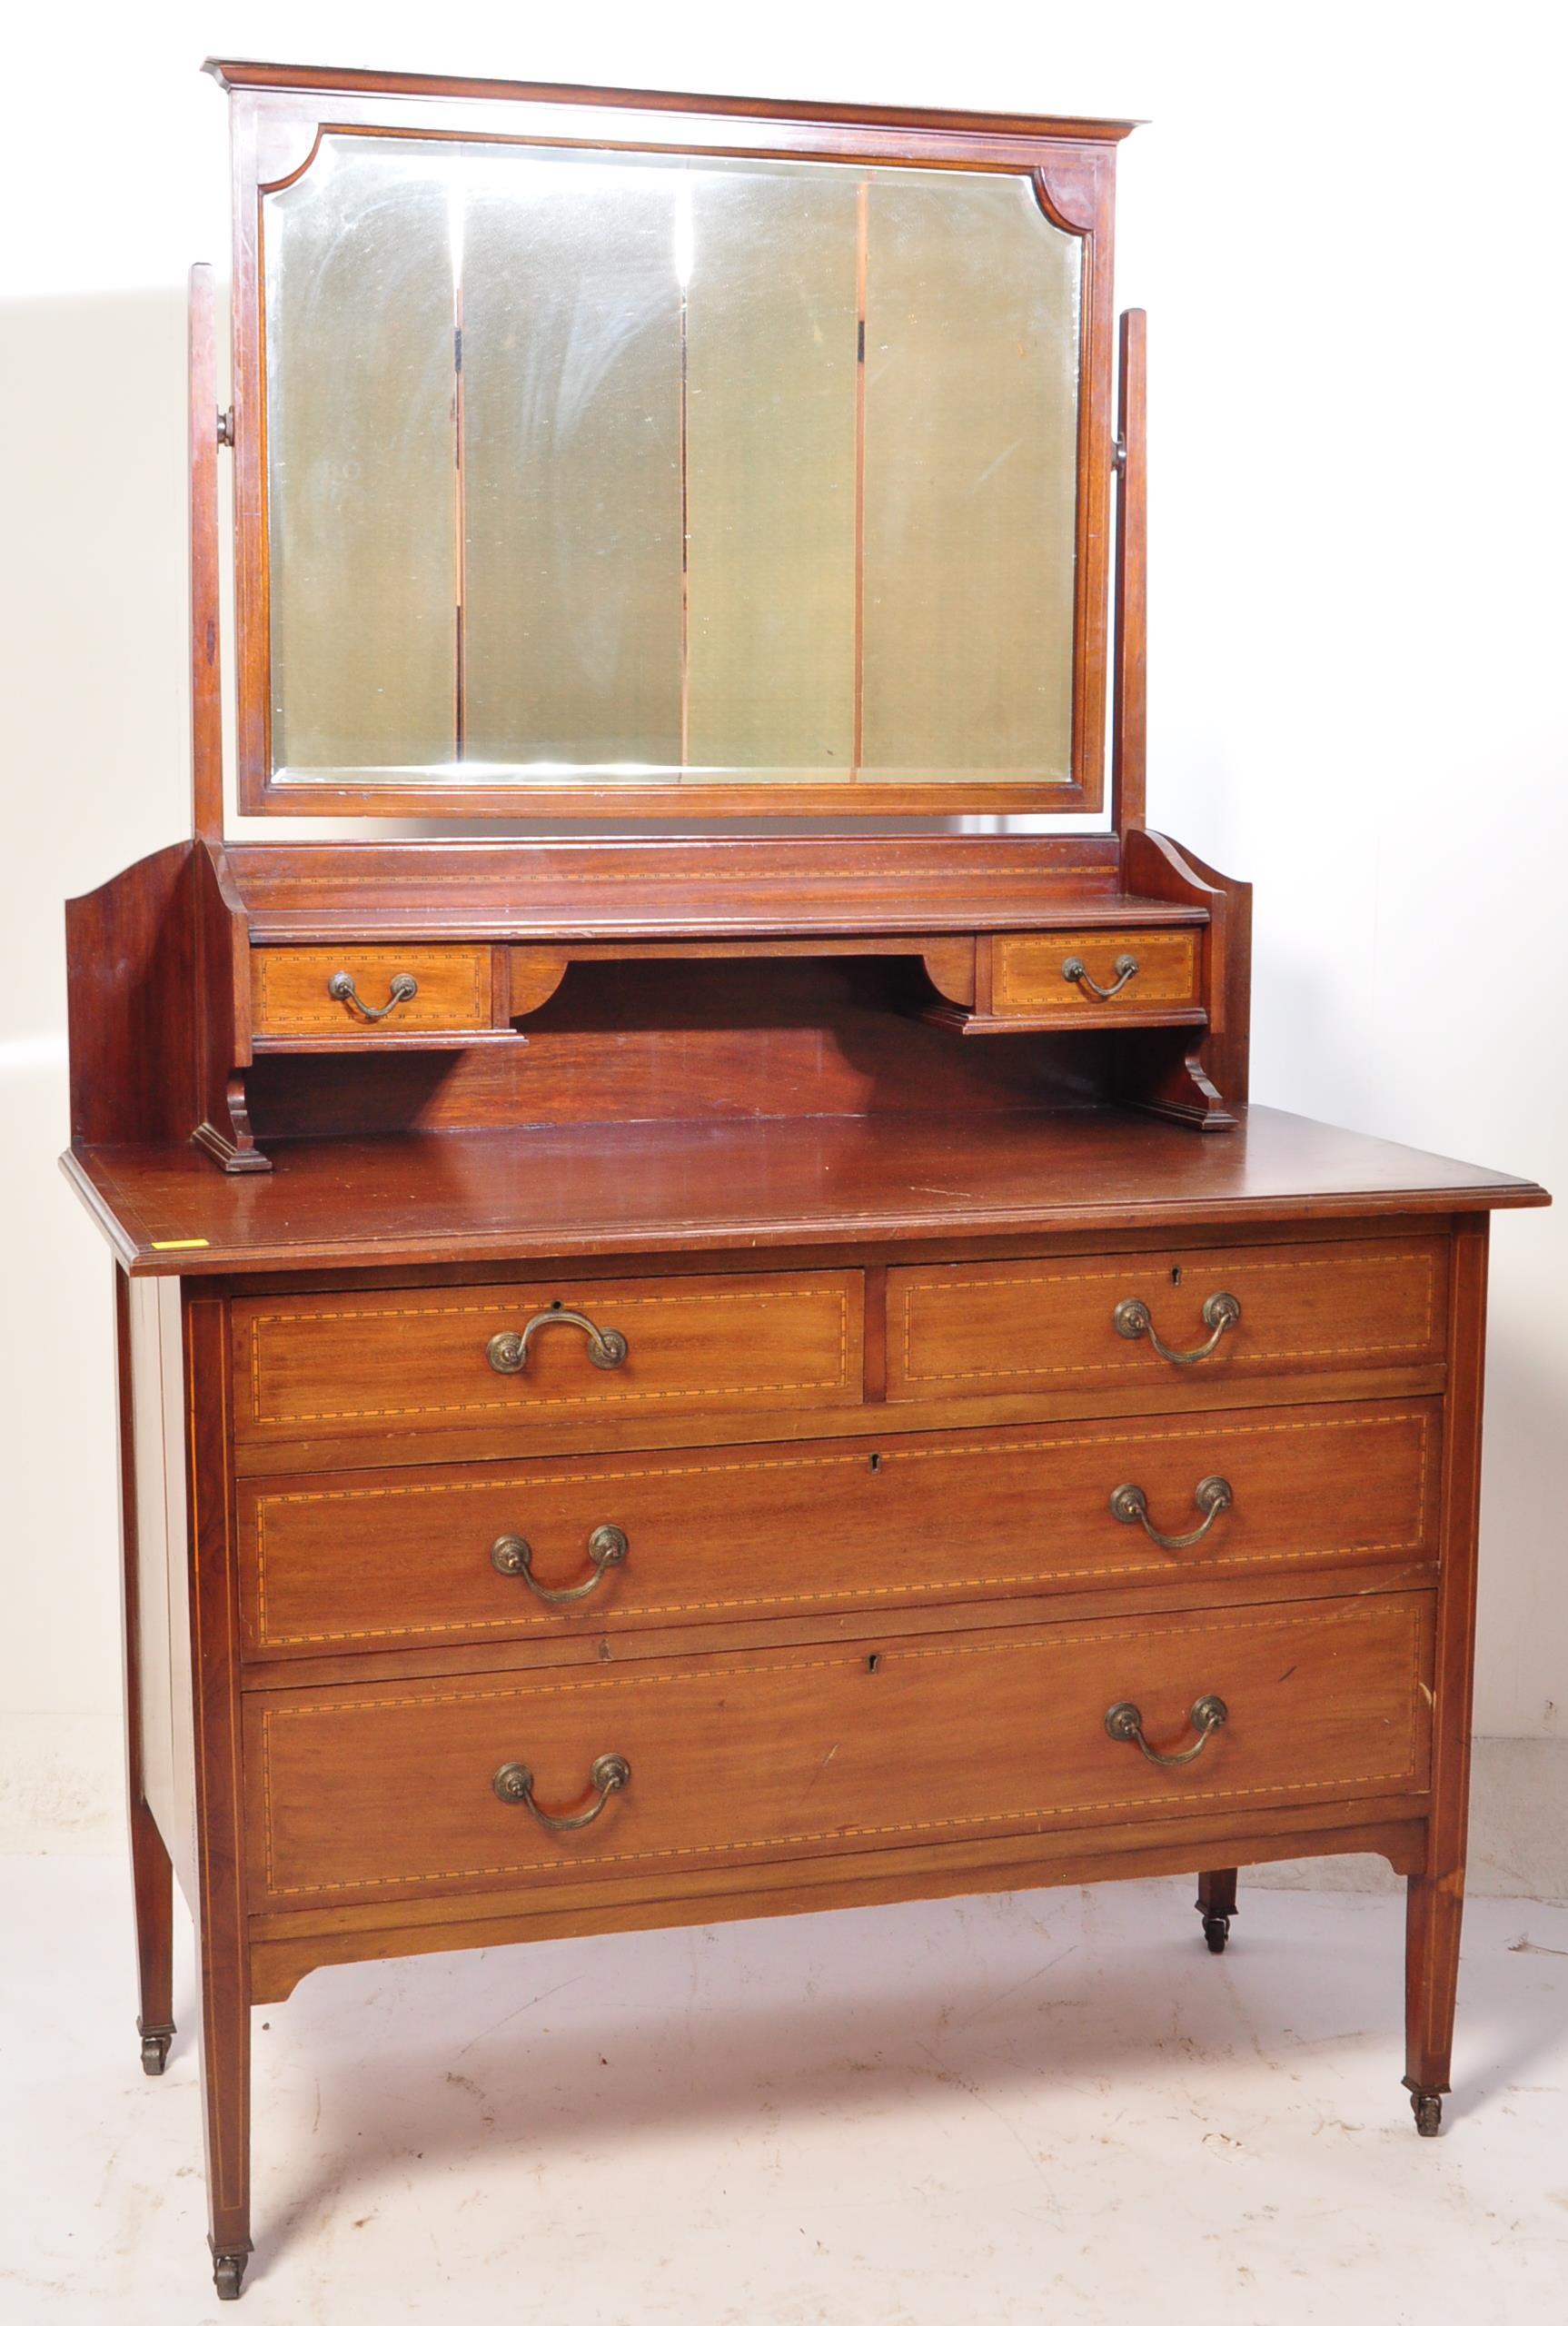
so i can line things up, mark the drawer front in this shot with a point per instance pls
(364, 1792)
(394, 1363)
(1035, 976)
(434, 1557)
(1007, 1327)
(291, 995)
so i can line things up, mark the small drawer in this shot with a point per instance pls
(501, 1550)
(399, 1364)
(1104, 972)
(358, 993)
(574, 1773)
(1180, 1319)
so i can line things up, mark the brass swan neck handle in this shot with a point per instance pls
(512, 1783)
(1125, 1722)
(1213, 1496)
(1076, 971)
(1221, 1312)
(513, 1555)
(508, 1352)
(341, 988)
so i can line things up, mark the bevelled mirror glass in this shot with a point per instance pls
(649, 469)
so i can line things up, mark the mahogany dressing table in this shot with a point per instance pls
(666, 1377)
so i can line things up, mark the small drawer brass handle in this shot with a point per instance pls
(1076, 972)
(1221, 1313)
(610, 1773)
(513, 1555)
(508, 1352)
(403, 987)
(1126, 1723)
(1212, 1496)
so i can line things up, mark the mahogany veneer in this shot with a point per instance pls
(763, 1181)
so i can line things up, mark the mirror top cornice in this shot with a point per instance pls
(244, 72)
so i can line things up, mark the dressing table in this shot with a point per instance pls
(670, 1375)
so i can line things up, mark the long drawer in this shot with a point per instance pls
(1108, 1320)
(499, 1550)
(391, 1365)
(364, 1792)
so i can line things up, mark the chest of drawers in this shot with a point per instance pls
(704, 1373)
(517, 1599)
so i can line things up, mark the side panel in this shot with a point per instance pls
(130, 996)
(162, 1632)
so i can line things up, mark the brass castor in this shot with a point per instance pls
(155, 2043)
(1216, 1930)
(1427, 2107)
(228, 2274)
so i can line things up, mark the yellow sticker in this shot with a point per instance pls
(183, 1244)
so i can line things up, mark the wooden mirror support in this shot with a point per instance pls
(776, 1267)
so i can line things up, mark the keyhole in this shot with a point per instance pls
(1176, 1276)
(876, 1461)
(872, 1662)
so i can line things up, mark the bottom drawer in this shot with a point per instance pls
(364, 1792)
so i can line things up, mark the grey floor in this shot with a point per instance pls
(1053, 2107)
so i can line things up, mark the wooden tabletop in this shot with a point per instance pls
(523, 1194)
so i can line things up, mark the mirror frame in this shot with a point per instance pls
(279, 115)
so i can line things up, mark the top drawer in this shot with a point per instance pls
(1120, 972)
(1172, 1320)
(407, 1364)
(359, 992)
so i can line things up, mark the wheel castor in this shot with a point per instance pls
(1427, 2107)
(228, 2274)
(155, 2043)
(1216, 1930)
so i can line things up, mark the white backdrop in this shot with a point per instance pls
(1346, 224)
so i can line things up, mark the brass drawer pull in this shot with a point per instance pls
(1212, 1496)
(403, 987)
(610, 1773)
(1126, 1723)
(1076, 972)
(508, 1352)
(513, 1555)
(1221, 1313)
